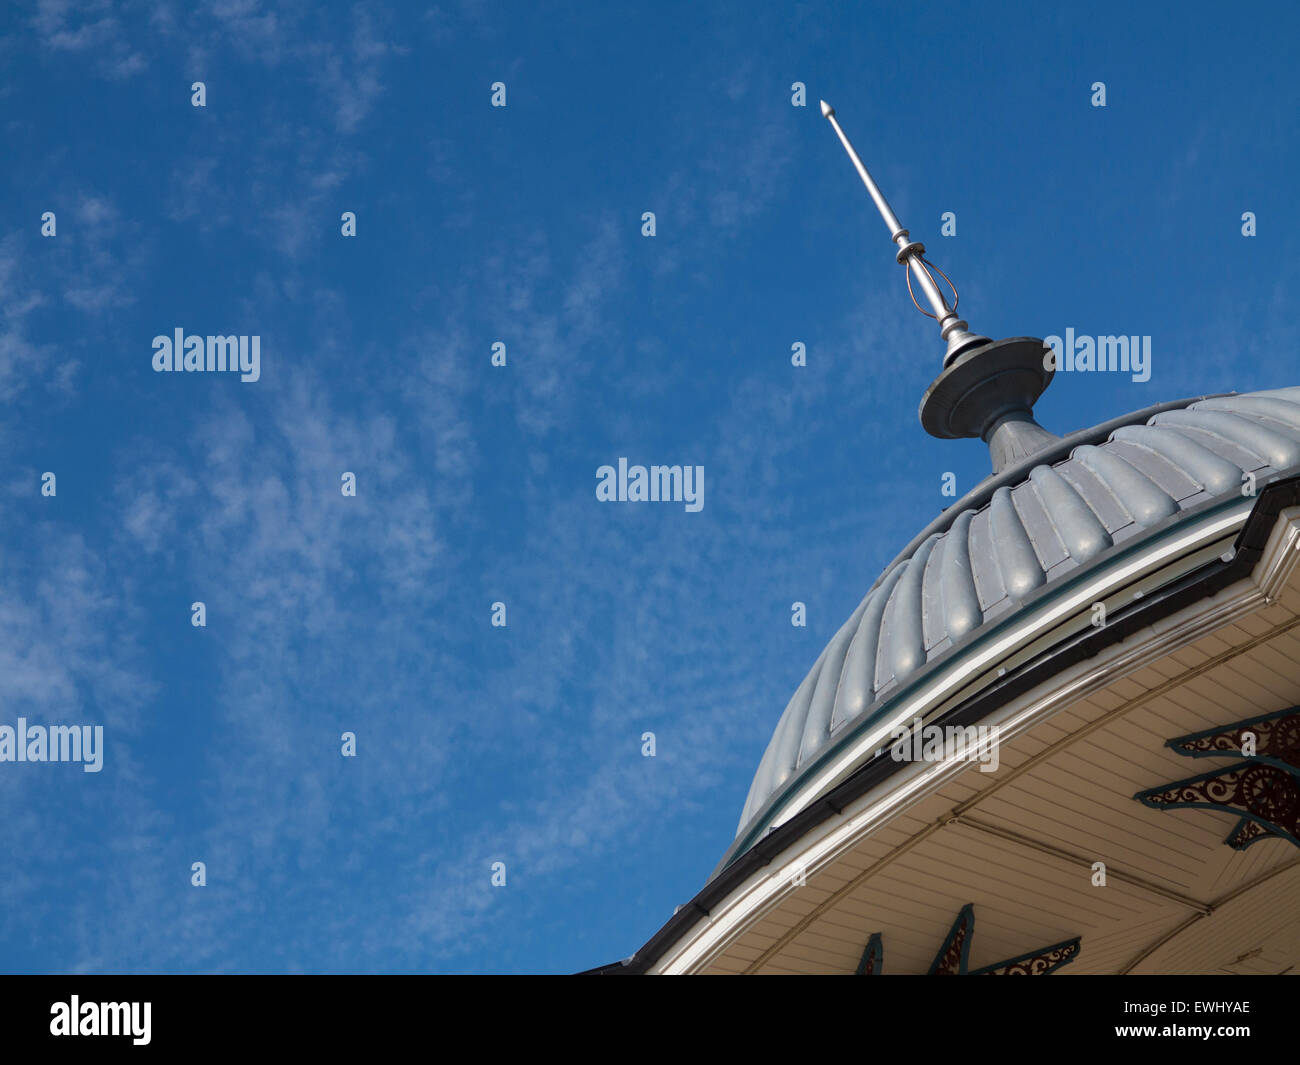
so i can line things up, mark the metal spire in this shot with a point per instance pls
(987, 388)
(911, 253)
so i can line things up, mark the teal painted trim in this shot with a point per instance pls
(1144, 797)
(1266, 759)
(1076, 943)
(965, 927)
(873, 958)
(1234, 838)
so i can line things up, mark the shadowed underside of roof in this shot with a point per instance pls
(983, 562)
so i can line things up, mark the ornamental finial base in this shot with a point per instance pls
(988, 391)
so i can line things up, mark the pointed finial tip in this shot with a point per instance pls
(827, 110)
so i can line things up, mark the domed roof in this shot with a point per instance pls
(1067, 508)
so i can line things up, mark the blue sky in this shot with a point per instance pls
(476, 483)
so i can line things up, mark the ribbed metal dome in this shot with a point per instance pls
(1029, 527)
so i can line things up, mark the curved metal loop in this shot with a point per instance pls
(925, 263)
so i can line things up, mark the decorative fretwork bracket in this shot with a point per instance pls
(954, 955)
(1276, 740)
(1264, 788)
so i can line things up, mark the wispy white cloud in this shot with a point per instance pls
(89, 28)
(370, 614)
